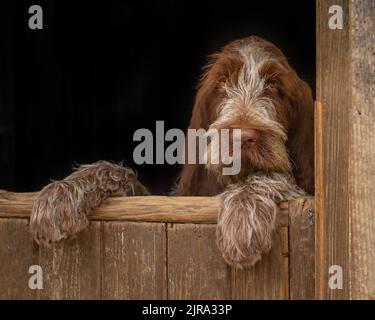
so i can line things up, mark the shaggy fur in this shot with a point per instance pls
(62, 207)
(249, 85)
(247, 216)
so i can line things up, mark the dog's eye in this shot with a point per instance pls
(271, 87)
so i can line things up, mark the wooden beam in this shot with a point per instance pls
(332, 188)
(147, 209)
(345, 152)
(362, 151)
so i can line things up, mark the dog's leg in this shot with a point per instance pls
(247, 216)
(62, 207)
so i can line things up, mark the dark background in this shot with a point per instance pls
(76, 91)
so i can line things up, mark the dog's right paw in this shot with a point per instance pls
(60, 211)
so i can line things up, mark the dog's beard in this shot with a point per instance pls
(268, 154)
(246, 107)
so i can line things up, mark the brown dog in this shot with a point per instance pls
(248, 85)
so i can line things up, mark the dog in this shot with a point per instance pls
(248, 85)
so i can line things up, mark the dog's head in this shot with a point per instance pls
(249, 85)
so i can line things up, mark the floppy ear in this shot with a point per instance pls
(220, 65)
(195, 179)
(301, 136)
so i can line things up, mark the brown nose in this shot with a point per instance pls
(249, 135)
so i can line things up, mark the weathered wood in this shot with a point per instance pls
(362, 150)
(141, 209)
(196, 269)
(134, 261)
(17, 254)
(319, 203)
(333, 91)
(71, 269)
(345, 150)
(301, 250)
(269, 278)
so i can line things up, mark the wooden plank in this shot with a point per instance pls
(159, 209)
(134, 261)
(319, 204)
(122, 260)
(301, 250)
(16, 205)
(362, 150)
(196, 269)
(269, 278)
(17, 254)
(72, 268)
(139, 208)
(333, 91)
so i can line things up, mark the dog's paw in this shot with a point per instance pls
(245, 225)
(237, 251)
(60, 211)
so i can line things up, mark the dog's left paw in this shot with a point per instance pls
(246, 222)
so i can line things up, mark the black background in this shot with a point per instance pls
(76, 91)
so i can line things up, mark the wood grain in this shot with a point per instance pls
(269, 278)
(333, 91)
(320, 253)
(196, 269)
(17, 254)
(301, 250)
(362, 150)
(134, 261)
(142, 260)
(141, 209)
(71, 268)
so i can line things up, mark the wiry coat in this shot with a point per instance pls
(248, 85)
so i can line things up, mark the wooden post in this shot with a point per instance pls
(301, 249)
(345, 117)
(362, 151)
